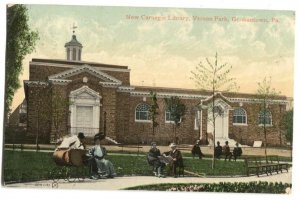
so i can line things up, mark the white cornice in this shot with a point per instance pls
(88, 69)
(35, 83)
(126, 89)
(115, 69)
(255, 100)
(203, 97)
(60, 81)
(110, 84)
(168, 95)
(85, 89)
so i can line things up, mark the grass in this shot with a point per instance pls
(29, 166)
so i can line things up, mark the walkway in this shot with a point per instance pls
(124, 182)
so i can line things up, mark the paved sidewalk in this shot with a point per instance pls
(124, 182)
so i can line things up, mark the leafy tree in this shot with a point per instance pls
(20, 42)
(287, 122)
(153, 111)
(59, 109)
(213, 77)
(177, 110)
(265, 94)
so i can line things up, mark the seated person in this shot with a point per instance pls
(177, 159)
(100, 167)
(196, 150)
(237, 151)
(153, 160)
(218, 150)
(73, 142)
(226, 151)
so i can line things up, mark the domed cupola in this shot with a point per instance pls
(73, 48)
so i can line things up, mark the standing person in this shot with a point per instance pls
(100, 167)
(226, 151)
(196, 150)
(176, 157)
(218, 150)
(237, 151)
(153, 160)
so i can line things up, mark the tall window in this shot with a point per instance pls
(265, 117)
(142, 112)
(239, 116)
(79, 55)
(68, 53)
(168, 118)
(74, 54)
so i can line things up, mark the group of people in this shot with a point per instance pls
(172, 158)
(95, 157)
(103, 168)
(225, 150)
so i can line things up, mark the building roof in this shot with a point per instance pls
(200, 92)
(76, 63)
(73, 42)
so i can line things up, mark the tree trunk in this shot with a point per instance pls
(37, 133)
(214, 136)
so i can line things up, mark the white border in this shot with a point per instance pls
(34, 194)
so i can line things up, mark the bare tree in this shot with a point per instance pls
(177, 110)
(213, 77)
(265, 94)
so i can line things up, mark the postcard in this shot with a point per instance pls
(149, 98)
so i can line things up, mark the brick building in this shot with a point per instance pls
(68, 96)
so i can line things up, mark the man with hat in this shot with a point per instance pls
(177, 159)
(100, 167)
(196, 150)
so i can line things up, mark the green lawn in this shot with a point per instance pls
(28, 166)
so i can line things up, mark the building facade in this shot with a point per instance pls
(70, 96)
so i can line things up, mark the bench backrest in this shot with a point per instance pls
(261, 160)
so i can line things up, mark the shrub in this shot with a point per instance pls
(237, 187)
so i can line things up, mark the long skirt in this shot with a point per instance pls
(105, 167)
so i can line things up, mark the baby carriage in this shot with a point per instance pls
(70, 165)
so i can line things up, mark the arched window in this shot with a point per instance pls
(239, 116)
(142, 112)
(265, 117)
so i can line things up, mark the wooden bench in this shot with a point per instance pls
(264, 165)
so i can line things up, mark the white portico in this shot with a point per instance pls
(221, 110)
(84, 111)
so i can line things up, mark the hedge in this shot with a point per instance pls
(236, 187)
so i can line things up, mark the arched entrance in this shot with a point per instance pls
(221, 110)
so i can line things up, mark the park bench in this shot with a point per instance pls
(264, 165)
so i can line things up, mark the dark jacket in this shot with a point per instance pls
(237, 151)
(218, 151)
(153, 156)
(196, 150)
(177, 155)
